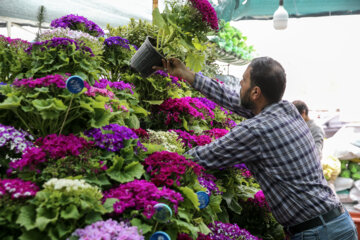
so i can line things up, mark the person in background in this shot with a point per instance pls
(316, 131)
(277, 147)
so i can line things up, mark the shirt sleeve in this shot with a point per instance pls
(240, 145)
(221, 95)
(318, 135)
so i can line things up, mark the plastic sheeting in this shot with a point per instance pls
(264, 9)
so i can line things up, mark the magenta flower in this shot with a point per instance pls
(164, 165)
(141, 195)
(14, 42)
(207, 11)
(49, 80)
(17, 188)
(216, 132)
(259, 200)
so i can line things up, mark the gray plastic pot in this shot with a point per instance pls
(146, 57)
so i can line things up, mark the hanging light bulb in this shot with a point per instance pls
(280, 17)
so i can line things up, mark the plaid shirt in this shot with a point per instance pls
(277, 147)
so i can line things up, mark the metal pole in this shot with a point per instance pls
(8, 26)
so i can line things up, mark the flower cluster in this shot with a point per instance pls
(141, 133)
(76, 22)
(259, 200)
(216, 132)
(17, 188)
(92, 91)
(192, 140)
(16, 140)
(108, 230)
(52, 146)
(117, 41)
(56, 80)
(228, 231)
(169, 140)
(243, 170)
(208, 181)
(111, 137)
(175, 107)
(141, 194)
(59, 43)
(207, 11)
(69, 185)
(120, 85)
(174, 80)
(165, 167)
(211, 104)
(14, 42)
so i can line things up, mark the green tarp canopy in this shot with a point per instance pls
(233, 10)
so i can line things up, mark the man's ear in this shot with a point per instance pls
(255, 93)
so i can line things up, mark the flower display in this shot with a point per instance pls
(17, 188)
(141, 194)
(14, 42)
(174, 108)
(190, 140)
(108, 230)
(112, 137)
(16, 140)
(76, 22)
(61, 43)
(166, 168)
(207, 11)
(228, 231)
(49, 80)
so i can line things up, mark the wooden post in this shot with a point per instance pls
(155, 4)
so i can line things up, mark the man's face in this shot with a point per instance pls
(245, 90)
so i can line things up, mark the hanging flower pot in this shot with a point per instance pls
(146, 57)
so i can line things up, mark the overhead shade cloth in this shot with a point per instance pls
(102, 12)
(233, 10)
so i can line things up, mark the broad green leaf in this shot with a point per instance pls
(191, 195)
(151, 148)
(158, 20)
(185, 225)
(185, 124)
(109, 204)
(63, 228)
(27, 217)
(33, 234)
(203, 228)
(145, 228)
(183, 214)
(92, 217)
(154, 102)
(133, 122)
(45, 216)
(139, 110)
(70, 212)
(195, 61)
(11, 102)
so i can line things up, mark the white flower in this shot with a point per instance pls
(2, 141)
(68, 184)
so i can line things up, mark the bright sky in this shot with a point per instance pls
(320, 56)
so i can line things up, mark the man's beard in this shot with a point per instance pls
(246, 101)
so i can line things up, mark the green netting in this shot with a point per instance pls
(264, 9)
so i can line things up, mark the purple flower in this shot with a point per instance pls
(228, 231)
(117, 41)
(75, 22)
(108, 230)
(17, 188)
(13, 139)
(208, 181)
(120, 85)
(112, 137)
(14, 43)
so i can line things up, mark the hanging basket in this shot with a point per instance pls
(146, 57)
(230, 58)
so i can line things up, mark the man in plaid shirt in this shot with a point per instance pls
(277, 147)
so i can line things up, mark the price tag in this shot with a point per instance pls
(162, 212)
(203, 198)
(75, 84)
(160, 236)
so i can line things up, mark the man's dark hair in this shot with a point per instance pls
(301, 107)
(269, 76)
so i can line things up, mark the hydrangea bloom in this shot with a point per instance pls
(76, 22)
(16, 140)
(174, 108)
(17, 188)
(141, 194)
(167, 167)
(111, 137)
(49, 80)
(207, 11)
(108, 230)
(59, 43)
(228, 231)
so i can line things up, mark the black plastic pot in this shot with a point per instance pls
(146, 57)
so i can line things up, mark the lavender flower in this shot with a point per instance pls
(119, 41)
(76, 22)
(120, 85)
(108, 230)
(208, 181)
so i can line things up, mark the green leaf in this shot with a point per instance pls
(49, 108)
(70, 212)
(133, 122)
(183, 214)
(100, 180)
(235, 207)
(92, 217)
(154, 102)
(145, 228)
(158, 20)
(185, 124)
(191, 195)
(151, 148)
(11, 102)
(185, 225)
(27, 217)
(129, 173)
(139, 110)
(195, 61)
(109, 204)
(33, 234)
(63, 228)
(45, 216)
(203, 228)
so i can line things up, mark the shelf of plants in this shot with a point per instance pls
(109, 162)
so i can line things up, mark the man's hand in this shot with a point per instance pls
(177, 68)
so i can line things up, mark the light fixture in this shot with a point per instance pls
(280, 17)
